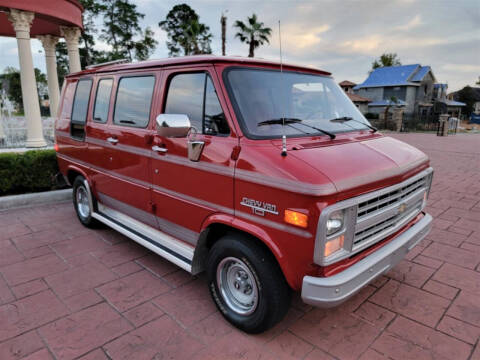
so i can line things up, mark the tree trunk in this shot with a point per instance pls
(223, 21)
(251, 49)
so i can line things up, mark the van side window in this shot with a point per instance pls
(80, 108)
(134, 98)
(194, 95)
(214, 121)
(102, 100)
(68, 100)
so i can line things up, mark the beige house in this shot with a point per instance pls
(360, 101)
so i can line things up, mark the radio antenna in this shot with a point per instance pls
(284, 137)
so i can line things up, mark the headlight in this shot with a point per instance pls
(335, 222)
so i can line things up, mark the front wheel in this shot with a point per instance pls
(247, 284)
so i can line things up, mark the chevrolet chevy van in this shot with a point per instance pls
(267, 178)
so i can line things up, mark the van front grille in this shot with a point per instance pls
(381, 215)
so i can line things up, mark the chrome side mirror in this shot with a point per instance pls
(173, 125)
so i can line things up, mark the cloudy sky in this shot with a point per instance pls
(342, 37)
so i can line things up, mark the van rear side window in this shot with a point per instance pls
(80, 108)
(134, 98)
(102, 100)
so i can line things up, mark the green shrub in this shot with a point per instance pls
(31, 171)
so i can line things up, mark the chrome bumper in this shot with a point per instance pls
(331, 291)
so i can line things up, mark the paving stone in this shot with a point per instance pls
(466, 307)
(411, 273)
(142, 314)
(318, 354)
(10, 231)
(132, 290)
(6, 294)
(80, 279)
(94, 355)
(83, 300)
(340, 334)
(157, 265)
(440, 289)
(459, 277)
(452, 255)
(29, 313)
(20, 346)
(374, 314)
(36, 252)
(373, 355)
(84, 331)
(33, 269)
(43, 354)
(211, 328)
(126, 268)
(196, 303)
(9, 254)
(159, 339)
(446, 237)
(121, 253)
(38, 239)
(476, 352)
(234, 346)
(79, 245)
(30, 288)
(411, 302)
(288, 346)
(429, 262)
(406, 339)
(459, 329)
(178, 278)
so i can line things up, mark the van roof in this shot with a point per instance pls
(196, 59)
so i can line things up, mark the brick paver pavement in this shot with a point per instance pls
(67, 292)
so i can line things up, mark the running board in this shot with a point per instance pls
(168, 247)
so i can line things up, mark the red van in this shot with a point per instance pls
(266, 177)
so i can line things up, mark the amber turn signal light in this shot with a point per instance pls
(296, 218)
(333, 245)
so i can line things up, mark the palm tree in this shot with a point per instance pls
(254, 34)
(196, 38)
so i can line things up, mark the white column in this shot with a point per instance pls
(21, 21)
(49, 42)
(71, 35)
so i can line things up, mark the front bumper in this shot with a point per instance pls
(331, 291)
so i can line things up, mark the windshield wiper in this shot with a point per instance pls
(287, 121)
(279, 121)
(348, 118)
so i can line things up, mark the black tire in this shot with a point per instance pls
(274, 294)
(85, 217)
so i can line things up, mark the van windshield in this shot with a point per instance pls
(262, 96)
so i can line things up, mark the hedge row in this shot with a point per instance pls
(31, 171)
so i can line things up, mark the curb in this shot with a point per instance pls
(41, 198)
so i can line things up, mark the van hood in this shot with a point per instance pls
(364, 163)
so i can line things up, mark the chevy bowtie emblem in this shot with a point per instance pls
(402, 208)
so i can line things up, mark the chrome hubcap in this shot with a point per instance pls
(83, 205)
(237, 285)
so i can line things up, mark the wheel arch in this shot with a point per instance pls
(218, 225)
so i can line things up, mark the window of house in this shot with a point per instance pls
(102, 100)
(133, 102)
(194, 95)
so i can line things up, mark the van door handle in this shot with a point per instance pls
(112, 140)
(159, 149)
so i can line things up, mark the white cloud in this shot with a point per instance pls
(416, 21)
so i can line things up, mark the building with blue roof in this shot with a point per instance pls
(411, 85)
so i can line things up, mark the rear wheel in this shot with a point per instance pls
(82, 204)
(247, 284)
